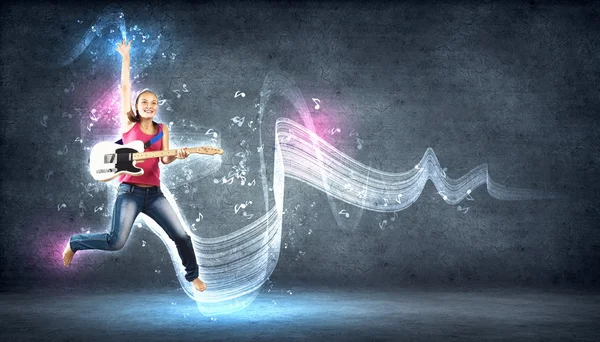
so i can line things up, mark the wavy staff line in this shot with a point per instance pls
(235, 265)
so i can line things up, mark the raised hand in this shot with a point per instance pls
(123, 47)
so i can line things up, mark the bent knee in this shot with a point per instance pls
(115, 245)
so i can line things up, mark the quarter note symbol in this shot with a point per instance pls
(317, 103)
(239, 93)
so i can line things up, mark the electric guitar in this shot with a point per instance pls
(109, 160)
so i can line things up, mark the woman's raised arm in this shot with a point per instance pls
(123, 48)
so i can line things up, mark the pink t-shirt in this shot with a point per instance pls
(151, 174)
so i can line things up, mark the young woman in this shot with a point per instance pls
(141, 194)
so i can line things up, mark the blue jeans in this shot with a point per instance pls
(132, 200)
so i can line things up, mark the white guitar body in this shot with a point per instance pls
(109, 160)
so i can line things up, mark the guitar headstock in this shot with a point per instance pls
(208, 150)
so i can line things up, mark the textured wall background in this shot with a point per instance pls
(513, 85)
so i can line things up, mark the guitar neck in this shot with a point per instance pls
(158, 154)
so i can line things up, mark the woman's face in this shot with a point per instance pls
(147, 105)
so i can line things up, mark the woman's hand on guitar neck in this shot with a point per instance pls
(182, 153)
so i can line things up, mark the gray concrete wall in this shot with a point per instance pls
(510, 85)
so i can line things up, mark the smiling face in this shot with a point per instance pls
(147, 105)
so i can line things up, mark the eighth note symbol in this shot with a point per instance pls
(200, 217)
(211, 131)
(317, 102)
(344, 212)
(239, 93)
(382, 224)
(43, 121)
(72, 88)
(177, 92)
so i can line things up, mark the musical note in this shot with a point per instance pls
(249, 216)
(444, 172)
(224, 180)
(143, 243)
(65, 114)
(79, 139)
(469, 197)
(317, 102)
(62, 206)
(362, 194)
(63, 151)
(238, 121)
(200, 217)
(176, 91)
(418, 167)
(185, 90)
(382, 224)
(72, 88)
(398, 198)
(48, 174)
(461, 209)
(239, 93)
(260, 148)
(89, 127)
(43, 121)
(99, 208)
(252, 183)
(170, 125)
(359, 142)
(93, 115)
(194, 227)
(332, 131)
(213, 141)
(395, 217)
(385, 204)
(237, 207)
(169, 107)
(309, 231)
(211, 131)
(344, 212)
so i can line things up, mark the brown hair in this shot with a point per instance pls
(135, 116)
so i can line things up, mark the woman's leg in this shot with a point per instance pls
(160, 210)
(126, 209)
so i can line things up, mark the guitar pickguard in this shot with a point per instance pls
(123, 160)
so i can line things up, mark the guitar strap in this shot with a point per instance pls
(147, 143)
